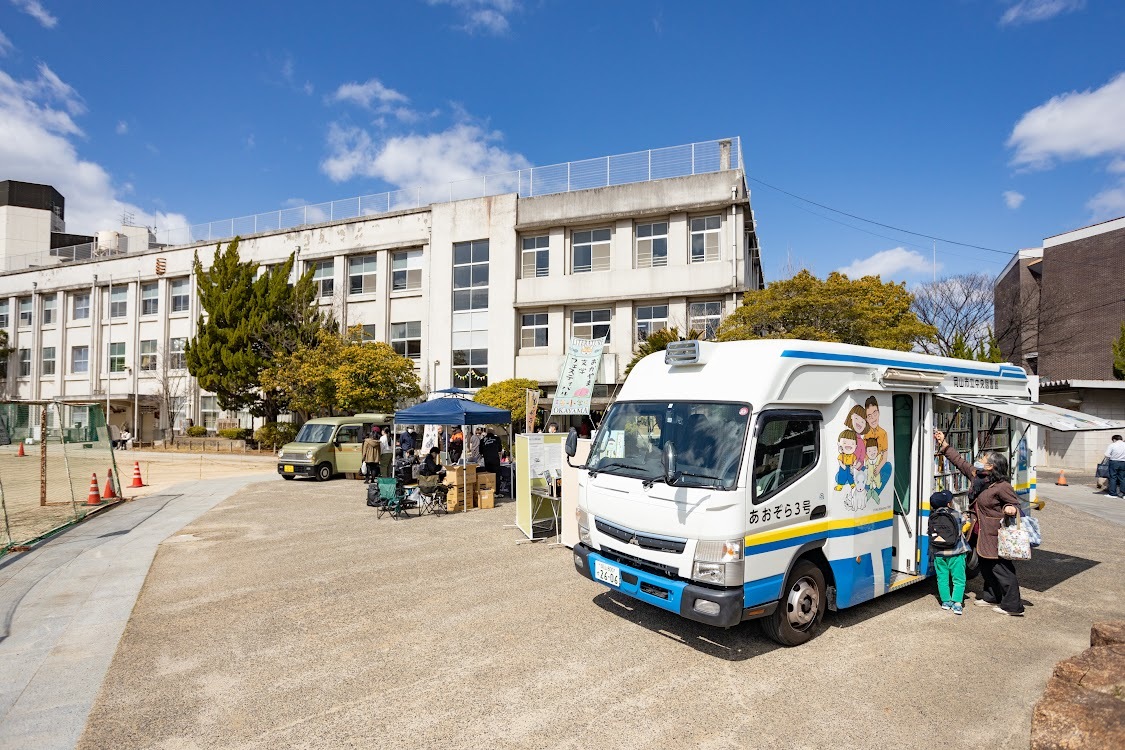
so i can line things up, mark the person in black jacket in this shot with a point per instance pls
(490, 451)
(431, 466)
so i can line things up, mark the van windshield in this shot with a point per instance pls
(709, 440)
(315, 433)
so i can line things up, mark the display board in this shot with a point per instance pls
(536, 455)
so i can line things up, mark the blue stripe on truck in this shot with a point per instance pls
(1003, 371)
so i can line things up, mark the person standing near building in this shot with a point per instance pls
(474, 446)
(386, 456)
(490, 450)
(371, 456)
(456, 445)
(1116, 455)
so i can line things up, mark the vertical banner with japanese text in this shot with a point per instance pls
(532, 409)
(576, 381)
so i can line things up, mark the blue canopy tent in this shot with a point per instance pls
(454, 411)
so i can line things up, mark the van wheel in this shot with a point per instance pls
(800, 612)
(324, 472)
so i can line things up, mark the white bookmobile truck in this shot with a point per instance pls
(776, 479)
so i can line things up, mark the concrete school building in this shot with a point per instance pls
(484, 281)
(1062, 306)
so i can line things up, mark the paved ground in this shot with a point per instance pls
(288, 616)
(1082, 494)
(64, 605)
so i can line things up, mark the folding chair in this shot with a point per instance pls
(433, 495)
(392, 493)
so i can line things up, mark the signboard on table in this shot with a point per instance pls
(532, 409)
(576, 381)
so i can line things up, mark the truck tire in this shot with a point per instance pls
(800, 611)
(324, 472)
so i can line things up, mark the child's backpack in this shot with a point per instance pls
(944, 530)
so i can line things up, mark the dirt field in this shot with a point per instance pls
(289, 616)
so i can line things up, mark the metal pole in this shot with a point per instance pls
(108, 361)
(42, 455)
(137, 362)
(66, 459)
(568, 177)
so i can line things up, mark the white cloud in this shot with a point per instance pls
(36, 120)
(1075, 125)
(488, 16)
(36, 10)
(430, 161)
(1108, 204)
(6, 45)
(895, 262)
(1117, 166)
(370, 92)
(1012, 199)
(122, 127)
(1031, 11)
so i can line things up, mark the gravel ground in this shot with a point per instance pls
(289, 616)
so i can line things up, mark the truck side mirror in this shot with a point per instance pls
(571, 442)
(668, 461)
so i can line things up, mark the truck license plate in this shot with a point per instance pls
(610, 574)
(288, 468)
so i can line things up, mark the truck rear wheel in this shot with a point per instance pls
(800, 611)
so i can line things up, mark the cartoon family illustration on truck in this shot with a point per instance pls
(864, 469)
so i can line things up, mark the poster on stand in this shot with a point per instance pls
(532, 409)
(576, 381)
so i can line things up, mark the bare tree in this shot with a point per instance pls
(956, 306)
(171, 385)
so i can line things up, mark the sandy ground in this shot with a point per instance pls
(289, 616)
(160, 470)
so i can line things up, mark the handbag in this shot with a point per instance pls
(1102, 471)
(1012, 540)
(1031, 524)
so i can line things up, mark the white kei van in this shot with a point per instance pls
(776, 479)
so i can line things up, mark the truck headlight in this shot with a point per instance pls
(719, 562)
(583, 527)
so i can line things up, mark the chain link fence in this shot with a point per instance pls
(49, 452)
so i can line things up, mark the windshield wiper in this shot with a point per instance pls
(611, 464)
(714, 485)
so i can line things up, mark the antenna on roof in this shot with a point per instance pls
(127, 218)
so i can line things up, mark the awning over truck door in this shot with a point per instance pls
(1044, 415)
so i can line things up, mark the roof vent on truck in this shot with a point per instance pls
(683, 353)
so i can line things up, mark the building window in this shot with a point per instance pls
(180, 294)
(533, 330)
(536, 257)
(4, 312)
(323, 271)
(705, 238)
(79, 359)
(361, 275)
(406, 338)
(177, 358)
(470, 368)
(406, 270)
(470, 275)
(48, 361)
(148, 355)
(705, 317)
(25, 363)
(50, 308)
(150, 299)
(25, 311)
(209, 411)
(80, 306)
(367, 333)
(118, 302)
(591, 250)
(117, 357)
(591, 324)
(652, 245)
(650, 320)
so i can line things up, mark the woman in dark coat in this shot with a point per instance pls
(996, 500)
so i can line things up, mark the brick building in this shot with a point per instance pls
(1058, 310)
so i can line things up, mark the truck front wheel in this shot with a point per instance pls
(800, 611)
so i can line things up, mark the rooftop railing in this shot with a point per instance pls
(605, 171)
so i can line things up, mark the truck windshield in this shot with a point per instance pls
(315, 433)
(709, 440)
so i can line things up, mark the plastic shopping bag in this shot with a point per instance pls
(1031, 525)
(363, 468)
(1013, 540)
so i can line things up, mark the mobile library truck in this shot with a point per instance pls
(776, 479)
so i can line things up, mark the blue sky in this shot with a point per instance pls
(992, 122)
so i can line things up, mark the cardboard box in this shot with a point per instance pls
(459, 476)
(459, 497)
(487, 498)
(486, 481)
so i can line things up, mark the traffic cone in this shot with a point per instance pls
(137, 481)
(20, 453)
(109, 494)
(1061, 481)
(94, 498)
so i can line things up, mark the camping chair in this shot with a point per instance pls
(432, 494)
(392, 494)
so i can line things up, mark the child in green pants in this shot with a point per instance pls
(950, 550)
